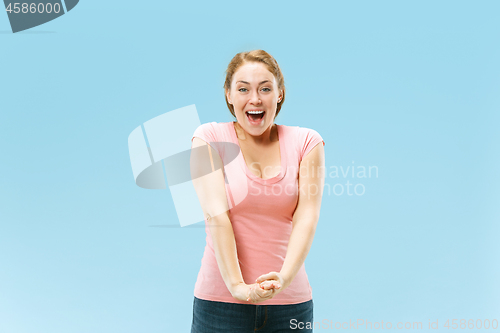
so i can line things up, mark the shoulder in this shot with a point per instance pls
(212, 131)
(208, 127)
(304, 139)
(309, 133)
(218, 136)
(298, 130)
(302, 134)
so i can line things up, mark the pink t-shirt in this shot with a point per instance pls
(261, 213)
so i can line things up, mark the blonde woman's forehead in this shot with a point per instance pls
(253, 73)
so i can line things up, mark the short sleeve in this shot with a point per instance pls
(210, 133)
(205, 132)
(308, 138)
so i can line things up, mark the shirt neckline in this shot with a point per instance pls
(244, 165)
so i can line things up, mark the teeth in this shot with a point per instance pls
(255, 112)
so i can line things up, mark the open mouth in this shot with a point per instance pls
(255, 116)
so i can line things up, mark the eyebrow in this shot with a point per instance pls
(249, 83)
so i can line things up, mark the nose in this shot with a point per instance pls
(255, 98)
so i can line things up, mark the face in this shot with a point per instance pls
(254, 88)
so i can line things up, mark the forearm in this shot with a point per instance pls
(225, 251)
(299, 245)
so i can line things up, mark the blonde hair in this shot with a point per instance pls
(254, 56)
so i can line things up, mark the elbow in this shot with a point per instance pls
(308, 222)
(219, 219)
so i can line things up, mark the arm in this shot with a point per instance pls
(305, 217)
(208, 180)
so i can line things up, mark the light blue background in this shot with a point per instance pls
(412, 88)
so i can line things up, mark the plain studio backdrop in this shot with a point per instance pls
(410, 89)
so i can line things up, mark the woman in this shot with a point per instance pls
(261, 208)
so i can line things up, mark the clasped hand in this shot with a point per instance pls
(265, 287)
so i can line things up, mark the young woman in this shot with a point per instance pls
(261, 208)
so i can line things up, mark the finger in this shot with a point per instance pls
(270, 284)
(264, 293)
(267, 284)
(254, 297)
(261, 292)
(264, 277)
(272, 276)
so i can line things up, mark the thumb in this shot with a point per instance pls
(268, 276)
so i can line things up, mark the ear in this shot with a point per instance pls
(228, 96)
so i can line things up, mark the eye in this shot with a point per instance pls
(242, 89)
(266, 89)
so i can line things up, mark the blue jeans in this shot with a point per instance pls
(222, 317)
